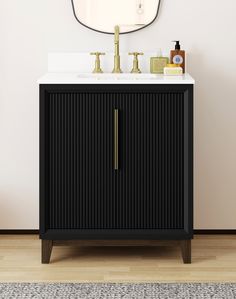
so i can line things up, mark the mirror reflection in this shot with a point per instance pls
(103, 15)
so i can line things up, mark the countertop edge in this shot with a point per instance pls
(69, 78)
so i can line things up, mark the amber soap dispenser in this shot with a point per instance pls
(177, 56)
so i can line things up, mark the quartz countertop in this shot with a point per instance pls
(107, 78)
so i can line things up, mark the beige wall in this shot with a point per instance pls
(30, 29)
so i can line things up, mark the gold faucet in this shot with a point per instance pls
(97, 68)
(136, 69)
(117, 68)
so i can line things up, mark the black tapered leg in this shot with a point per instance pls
(186, 251)
(46, 251)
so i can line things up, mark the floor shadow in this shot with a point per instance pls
(115, 253)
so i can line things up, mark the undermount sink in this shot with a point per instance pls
(122, 76)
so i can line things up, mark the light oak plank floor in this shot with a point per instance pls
(214, 260)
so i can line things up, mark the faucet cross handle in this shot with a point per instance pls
(97, 68)
(135, 69)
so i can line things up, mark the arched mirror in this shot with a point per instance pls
(103, 15)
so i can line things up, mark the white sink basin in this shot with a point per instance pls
(123, 76)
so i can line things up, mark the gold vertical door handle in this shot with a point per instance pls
(116, 139)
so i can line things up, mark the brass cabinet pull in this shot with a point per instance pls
(116, 139)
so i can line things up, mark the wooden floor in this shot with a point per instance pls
(214, 260)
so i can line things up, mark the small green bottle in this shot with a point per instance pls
(158, 63)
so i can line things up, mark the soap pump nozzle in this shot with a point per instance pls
(177, 45)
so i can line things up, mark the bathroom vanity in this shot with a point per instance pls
(116, 160)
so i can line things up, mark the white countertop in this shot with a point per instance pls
(79, 78)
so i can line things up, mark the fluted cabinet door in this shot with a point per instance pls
(150, 181)
(79, 156)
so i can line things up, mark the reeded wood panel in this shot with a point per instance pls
(84, 191)
(150, 191)
(81, 172)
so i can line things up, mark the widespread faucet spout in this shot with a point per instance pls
(117, 68)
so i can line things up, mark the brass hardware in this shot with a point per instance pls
(117, 68)
(116, 139)
(135, 68)
(97, 68)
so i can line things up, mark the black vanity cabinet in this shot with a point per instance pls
(116, 163)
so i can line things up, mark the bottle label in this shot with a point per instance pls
(177, 59)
